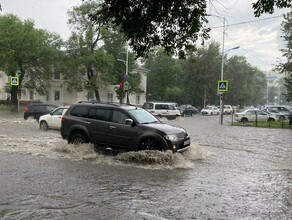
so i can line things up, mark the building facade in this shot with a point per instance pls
(59, 94)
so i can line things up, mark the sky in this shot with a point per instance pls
(259, 39)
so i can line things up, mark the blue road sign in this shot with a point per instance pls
(222, 86)
(14, 81)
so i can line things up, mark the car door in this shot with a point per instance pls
(54, 119)
(98, 125)
(121, 135)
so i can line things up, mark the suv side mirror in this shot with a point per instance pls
(128, 121)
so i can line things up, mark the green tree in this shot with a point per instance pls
(268, 6)
(163, 77)
(201, 73)
(286, 67)
(28, 53)
(89, 65)
(116, 45)
(247, 84)
(173, 25)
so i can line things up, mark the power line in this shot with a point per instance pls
(251, 21)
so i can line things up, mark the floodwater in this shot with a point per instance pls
(229, 173)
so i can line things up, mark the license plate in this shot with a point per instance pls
(187, 142)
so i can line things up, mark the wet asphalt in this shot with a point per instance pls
(229, 173)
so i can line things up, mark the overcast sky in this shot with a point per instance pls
(259, 38)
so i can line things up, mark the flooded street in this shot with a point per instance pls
(229, 173)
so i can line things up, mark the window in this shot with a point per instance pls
(57, 95)
(80, 111)
(57, 75)
(110, 97)
(119, 117)
(99, 114)
(31, 95)
(137, 99)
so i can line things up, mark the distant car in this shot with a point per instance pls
(187, 110)
(37, 110)
(210, 110)
(254, 115)
(162, 109)
(53, 119)
(282, 111)
(227, 109)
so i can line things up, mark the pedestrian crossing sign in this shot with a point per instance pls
(14, 81)
(222, 86)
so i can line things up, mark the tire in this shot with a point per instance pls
(271, 120)
(44, 125)
(244, 120)
(150, 144)
(282, 117)
(77, 139)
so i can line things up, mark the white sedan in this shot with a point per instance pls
(210, 110)
(254, 115)
(53, 119)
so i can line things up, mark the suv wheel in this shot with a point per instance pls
(77, 139)
(44, 125)
(150, 144)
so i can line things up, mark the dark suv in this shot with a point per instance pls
(121, 128)
(37, 110)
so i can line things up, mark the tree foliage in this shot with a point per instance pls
(268, 6)
(174, 25)
(286, 67)
(28, 53)
(194, 80)
(89, 66)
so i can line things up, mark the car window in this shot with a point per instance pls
(148, 106)
(50, 108)
(100, 114)
(58, 111)
(80, 111)
(250, 112)
(171, 107)
(142, 116)
(119, 117)
(36, 107)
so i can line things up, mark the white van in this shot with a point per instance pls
(162, 109)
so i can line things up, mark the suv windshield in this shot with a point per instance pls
(142, 116)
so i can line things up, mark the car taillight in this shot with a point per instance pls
(62, 119)
(26, 109)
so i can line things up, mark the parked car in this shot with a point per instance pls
(187, 110)
(121, 128)
(161, 109)
(282, 111)
(227, 109)
(37, 110)
(53, 119)
(210, 110)
(254, 115)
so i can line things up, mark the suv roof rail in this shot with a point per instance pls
(101, 102)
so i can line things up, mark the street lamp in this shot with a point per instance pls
(222, 61)
(222, 77)
(126, 62)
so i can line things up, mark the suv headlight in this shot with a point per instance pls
(171, 137)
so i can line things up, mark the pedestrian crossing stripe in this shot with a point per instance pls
(222, 86)
(14, 81)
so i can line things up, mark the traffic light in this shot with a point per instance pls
(121, 84)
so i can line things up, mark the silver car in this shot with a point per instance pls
(254, 115)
